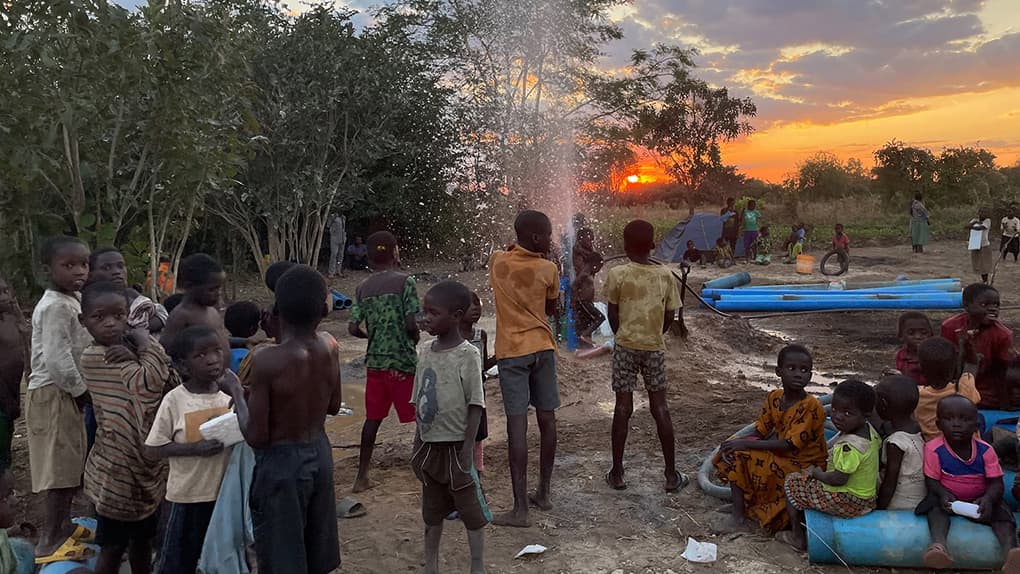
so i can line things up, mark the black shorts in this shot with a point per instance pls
(446, 486)
(113, 532)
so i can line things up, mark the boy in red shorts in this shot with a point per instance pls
(386, 303)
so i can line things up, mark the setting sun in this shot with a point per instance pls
(633, 178)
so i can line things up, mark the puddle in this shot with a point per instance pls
(759, 372)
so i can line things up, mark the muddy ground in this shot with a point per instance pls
(717, 381)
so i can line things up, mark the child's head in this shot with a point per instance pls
(301, 297)
(172, 302)
(107, 264)
(912, 328)
(765, 230)
(242, 319)
(730, 201)
(752, 205)
(104, 311)
(474, 312)
(65, 261)
(1011, 210)
(690, 244)
(638, 238)
(202, 279)
(982, 213)
(896, 396)
(6, 296)
(197, 352)
(586, 237)
(938, 361)
(358, 240)
(794, 367)
(445, 305)
(839, 229)
(981, 302)
(957, 418)
(275, 271)
(382, 249)
(534, 231)
(852, 403)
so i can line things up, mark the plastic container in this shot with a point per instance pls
(805, 264)
(968, 509)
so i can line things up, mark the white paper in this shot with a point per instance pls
(493, 372)
(531, 549)
(701, 552)
(975, 241)
(223, 428)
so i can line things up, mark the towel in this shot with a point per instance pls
(230, 531)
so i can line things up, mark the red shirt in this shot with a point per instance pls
(841, 242)
(995, 345)
(909, 365)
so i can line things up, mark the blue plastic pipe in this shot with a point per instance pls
(728, 281)
(855, 284)
(340, 301)
(750, 304)
(838, 296)
(941, 288)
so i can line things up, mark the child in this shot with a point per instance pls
(789, 436)
(526, 289)
(15, 354)
(643, 300)
(386, 303)
(56, 395)
(840, 241)
(270, 319)
(723, 253)
(763, 247)
(981, 257)
(292, 387)
(749, 218)
(847, 488)
(480, 339)
(983, 341)
(1010, 234)
(912, 328)
(196, 464)
(450, 401)
(902, 485)
(358, 257)
(202, 278)
(692, 255)
(941, 372)
(960, 466)
(242, 322)
(126, 486)
(108, 264)
(731, 225)
(794, 244)
(587, 317)
(587, 261)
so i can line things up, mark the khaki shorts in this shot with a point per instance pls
(56, 439)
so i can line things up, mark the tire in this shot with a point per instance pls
(844, 263)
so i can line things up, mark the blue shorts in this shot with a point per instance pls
(529, 380)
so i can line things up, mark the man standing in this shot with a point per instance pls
(337, 240)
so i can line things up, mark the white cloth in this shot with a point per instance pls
(58, 339)
(910, 486)
(979, 237)
(1011, 226)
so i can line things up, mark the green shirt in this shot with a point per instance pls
(858, 457)
(383, 302)
(447, 382)
(751, 218)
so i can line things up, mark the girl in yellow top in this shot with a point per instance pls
(848, 488)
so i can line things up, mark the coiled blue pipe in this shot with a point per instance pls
(728, 281)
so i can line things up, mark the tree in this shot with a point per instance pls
(901, 171)
(824, 176)
(968, 175)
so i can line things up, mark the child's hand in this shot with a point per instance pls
(139, 338)
(730, 447)
(985, 507)
(120, 354)
(229, 383)
(947, 499)
(207, 448)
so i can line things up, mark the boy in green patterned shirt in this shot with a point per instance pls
(386, 303)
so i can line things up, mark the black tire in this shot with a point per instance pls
(844, 263)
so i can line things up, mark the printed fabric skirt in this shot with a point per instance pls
(807, 493)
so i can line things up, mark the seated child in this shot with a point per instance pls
(902, 480)
(763, 247)
(692, 255)
(940, 369)
(983, 341)
(587, 317)
(242, 322)
(913, 328)
(847, 488)
(108, 264)
(789, 436)
(960, 466)
(723, 253)
(480, 339)
(794, 244)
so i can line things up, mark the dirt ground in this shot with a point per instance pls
(717, 381)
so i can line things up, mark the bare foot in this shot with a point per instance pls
(48, 546)
(676, 481)
(362, 484)
(513, 519)
(615, 480)
(937, 558)
(541, 501)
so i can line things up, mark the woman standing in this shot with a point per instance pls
(918, 223)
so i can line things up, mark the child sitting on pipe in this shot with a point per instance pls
(902, 484)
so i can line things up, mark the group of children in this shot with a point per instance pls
(912, 442)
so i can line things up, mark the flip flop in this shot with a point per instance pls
(83, 534)
(682, 484)
(349, 508)
(609, 481)
(937, 557)
(71, 550)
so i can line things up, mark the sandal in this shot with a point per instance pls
(937, 557)
(609, 480)
(349, 508)
(82, 533)
(71, 550)
(682, 482)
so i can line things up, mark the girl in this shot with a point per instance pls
(847, 489)
(108, 264)
(902, 486)
(480, 339)
(913, 328)
(789, 436)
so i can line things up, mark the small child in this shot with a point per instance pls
(847, 488)
(358, 255)
(960, 466)
(587, 317)
(587, 260)
(912, 328)
(643, 300)
(902, 482)
(15, 353)
(202, 278)
(723, 253)
(763, 247)
(692, 255)
(108, 264)
(941, 371)
(480, 339)
(126, 486)
(242, 322)
(789, 436)
(749, 221)
(840, 241)
(794, 244)
(386, 303)
(450, 404)
(983, 341)
(196, 464)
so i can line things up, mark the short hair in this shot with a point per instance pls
(275, 271)
(451, 295)
(937, 355)
(196, 269)
(839, 226)
(242, 318)
(793, 349)
(901, 392)
(186, 341)
(475, 299)
(954, 397)
(173, 301)
(301, 296)
(530, 221)
(911, 316)
(638, 235)
(54, 244)
(974, 290)
(764, 228)
(382, 247)
(731, 199)
(752, 202)
(95, 255)
(857, 392)
(97, 289)
(918, 196)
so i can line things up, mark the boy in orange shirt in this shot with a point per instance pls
(526, 289)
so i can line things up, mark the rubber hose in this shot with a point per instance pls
(844, 263)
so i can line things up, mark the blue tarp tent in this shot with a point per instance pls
(702, 228)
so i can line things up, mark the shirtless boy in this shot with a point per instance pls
(202, 278)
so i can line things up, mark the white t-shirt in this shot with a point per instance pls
(1011, 226)
(910, 488)
(979, 237)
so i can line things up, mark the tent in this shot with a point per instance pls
(702, 228)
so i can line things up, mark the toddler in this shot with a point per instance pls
(902, 485)
(723, 253)
(913, 328)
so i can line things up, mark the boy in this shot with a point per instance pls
(1010, 234)
(692, 255)
(587, 261)
(107, 264)
(981, 257)
(749, 218)
(56, 396)
(525, 287)
(763, 247)
(386, 303)
(14, 356)
(643, 300)
(292, 387)
(587, 317)
(242, 322)
(940, 371)
(983, 341)
(449, 398)
(794, 244)
(126, 486)
(840, 241)
(202, 278)
(912, 329)
(731, 225)
(358, 258)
